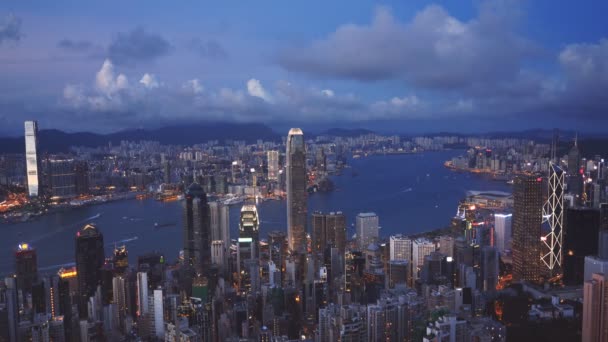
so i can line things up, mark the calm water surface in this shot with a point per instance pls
(410, 193)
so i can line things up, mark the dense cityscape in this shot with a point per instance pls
(321, 171)
(506, 265)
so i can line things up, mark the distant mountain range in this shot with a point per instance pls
(55, 141)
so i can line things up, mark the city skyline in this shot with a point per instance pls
(502, 64)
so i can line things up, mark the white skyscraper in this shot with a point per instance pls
(420, 249)
(157, 319)
(142, 293)
(400, 248)
(273, 165)
(367, 229)
(502, 231)
(31, 156)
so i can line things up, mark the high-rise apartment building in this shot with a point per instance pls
(90, 258)
(31, 157)
(273, 165)
(296, 190)
(527, 220)
(367, 227)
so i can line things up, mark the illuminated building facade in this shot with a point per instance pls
(527, 220)
(31, 156)
(296, 190)
(502, 231)
(197, 232)
(553, 213)
(61, 181)
(89, 260)
(328, 229)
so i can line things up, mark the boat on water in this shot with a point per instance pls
(163, 225)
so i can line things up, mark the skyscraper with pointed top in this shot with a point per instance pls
(296, 190)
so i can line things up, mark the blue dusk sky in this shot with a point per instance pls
(393, 66)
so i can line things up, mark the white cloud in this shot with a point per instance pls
(107, 82)
(327, 92)
(149, 81)
(255, 89)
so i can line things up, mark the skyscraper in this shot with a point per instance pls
(328, 229)
(502, 231)
(61, 180)
(296, 190)
(142, 293)
(367, 227)
(248, 243)
(420, 248)
(26, 267)
(219, 216)
(527, 220)
(553, 211)
(31, 156)
(273, 165)
(581, 231)
(197, 232)
(400, 247)
(595, 309)
(89, 259)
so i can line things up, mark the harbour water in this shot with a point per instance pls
(410, 193)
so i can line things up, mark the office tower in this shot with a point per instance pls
(602, 247)
(31, 156)
(594, 264)
(26, 268)
(61, 178)
(398, 272)
(12, 308)
(167, 172)
(278, 249)
(157, 321)
(553, 213)
(321, 160)
(502, 231)
(90, 257)
(121, 259)
(142, 294)
(575, 178)
(273, 165)
(400, 247)
(328, 230)
(119, 290)
(527, 219)
(446, 245)
(489, 268)
(367, 227)
(218, 253)
(219, 216)
(248, 243)
(595, 308)
(420, 248)
(296, 190)
(197, 232)
(581, 230)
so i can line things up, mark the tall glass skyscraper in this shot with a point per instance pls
(89, 259)
(31, 156)
(527, 220)
(296, 190)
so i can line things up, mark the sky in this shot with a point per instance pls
(392, 66)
